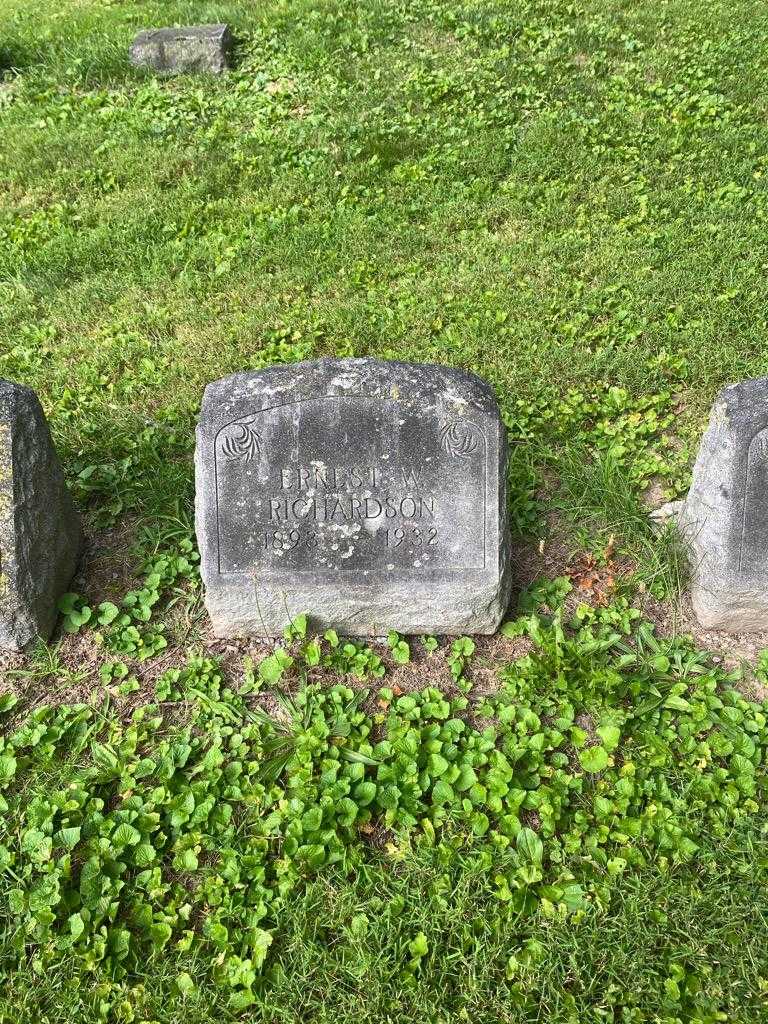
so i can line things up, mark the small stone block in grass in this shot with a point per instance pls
(175, 51)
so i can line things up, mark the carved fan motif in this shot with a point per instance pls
(242, 443)
(457, 438)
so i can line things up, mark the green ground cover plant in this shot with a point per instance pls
(566, 823)
(190, 831)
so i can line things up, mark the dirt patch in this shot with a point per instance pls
(108, 567)
(655, 495)
(585, 722)
(80, 659)
(424, 669)
(548, 558)
(10, 662)
(492, 655)
(432, 38)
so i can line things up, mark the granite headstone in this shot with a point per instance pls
(725, 516)
(174, 51)
(369, 495)
(40, 536)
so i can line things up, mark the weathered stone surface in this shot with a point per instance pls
(667, 513)
(725, 517)
(369, 495)
(174, 51)
(40, 537)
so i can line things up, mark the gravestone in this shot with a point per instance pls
(174, 51)
(40, 537)
(725, 516)
(369, 495)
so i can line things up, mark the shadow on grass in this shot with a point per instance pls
(13, 57)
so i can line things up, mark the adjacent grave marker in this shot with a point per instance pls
(369, 495)
(174, 51)
(725, 516)
(40, 537)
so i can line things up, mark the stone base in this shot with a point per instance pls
(733, 611)
(238, 610)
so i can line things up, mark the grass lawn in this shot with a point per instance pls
(563, 823)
